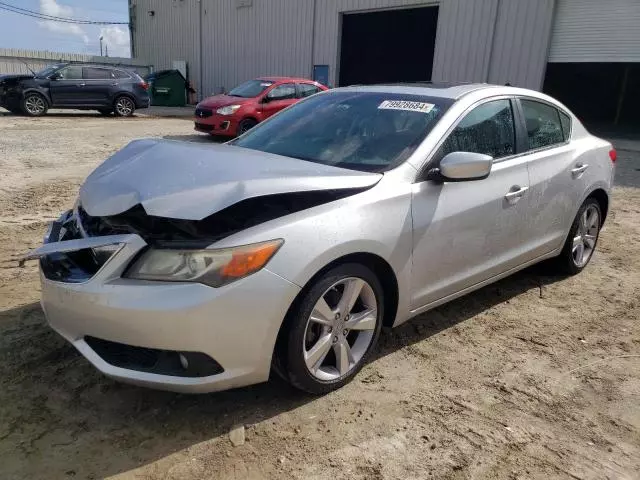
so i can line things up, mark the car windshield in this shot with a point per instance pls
(45, 72)
(250, 89)
(366, 131)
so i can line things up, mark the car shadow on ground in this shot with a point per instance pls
(457, 311)
(50, 395)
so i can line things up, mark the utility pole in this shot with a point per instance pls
(106, 50)
(101, 45)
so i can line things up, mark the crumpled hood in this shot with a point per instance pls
(219, 101)
(192, 181)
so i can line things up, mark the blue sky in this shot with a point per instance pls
(18, 31)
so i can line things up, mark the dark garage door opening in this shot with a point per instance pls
(600, 94)
(388, 46)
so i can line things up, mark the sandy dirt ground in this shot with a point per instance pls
(536, 376)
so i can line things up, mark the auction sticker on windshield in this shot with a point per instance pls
(409, 106)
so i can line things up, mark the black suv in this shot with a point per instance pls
(79, 86)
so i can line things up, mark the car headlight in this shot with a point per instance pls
(228, 110)
(214, 267)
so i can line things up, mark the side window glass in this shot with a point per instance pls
(283, 92)
(91, 73)
(71, 73)
(307, 89)
(119, 74)
(487, 129)
(565, 120)
(543, 124)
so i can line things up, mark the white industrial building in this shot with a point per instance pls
(586, 52)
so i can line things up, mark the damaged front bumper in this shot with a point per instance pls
(184, 337)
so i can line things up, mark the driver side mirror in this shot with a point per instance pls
(55, 76)
(266, 99)
(461, 167)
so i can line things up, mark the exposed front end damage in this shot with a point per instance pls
(158, 207)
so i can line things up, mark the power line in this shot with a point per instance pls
(42, 16)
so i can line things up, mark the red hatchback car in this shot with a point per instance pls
(250, 103)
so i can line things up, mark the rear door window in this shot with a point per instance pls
(93, 73)
(488, 129)
(285, 91)
(544, 128)
(307, 89)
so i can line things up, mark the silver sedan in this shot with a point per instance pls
(197, 268)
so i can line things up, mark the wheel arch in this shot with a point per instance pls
(602, 197)
(248, 117)
(122, 94)
(44, 95)
(378, 265)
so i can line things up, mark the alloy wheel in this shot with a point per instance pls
(584, 241)
(35, 105)
(340, 329)
(124, 106)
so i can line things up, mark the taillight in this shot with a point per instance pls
(144, 85)
(613, 155)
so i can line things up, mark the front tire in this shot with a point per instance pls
(124, 106)
(332, 329)
(246, 125)
(582, 239)
(34, 105)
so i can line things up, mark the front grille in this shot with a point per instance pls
(203, 127)
(152, 360)
(203, 112)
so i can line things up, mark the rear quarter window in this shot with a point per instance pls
(565, 121)
(120, 74)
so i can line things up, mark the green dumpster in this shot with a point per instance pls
(168, 88)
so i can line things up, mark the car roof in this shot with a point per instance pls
(96, 65)
(285, 79)
(442, 90)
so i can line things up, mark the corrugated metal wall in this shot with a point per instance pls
(596, 31)
(477, 40)
(12, 60)
(521, 42)
(267, 38)
(167, 30)
(463, 41)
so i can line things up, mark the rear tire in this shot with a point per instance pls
(246, 125)
(34, 104)
(582, 239)
(331, 329)
(124, 106)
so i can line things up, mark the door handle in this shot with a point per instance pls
(579, 169)
(81, 84)
(515, 194)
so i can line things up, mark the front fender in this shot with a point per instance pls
(42, 91)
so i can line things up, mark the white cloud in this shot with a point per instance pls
(51, 7)
(116, 37)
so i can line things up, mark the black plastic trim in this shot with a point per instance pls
(153, 360)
